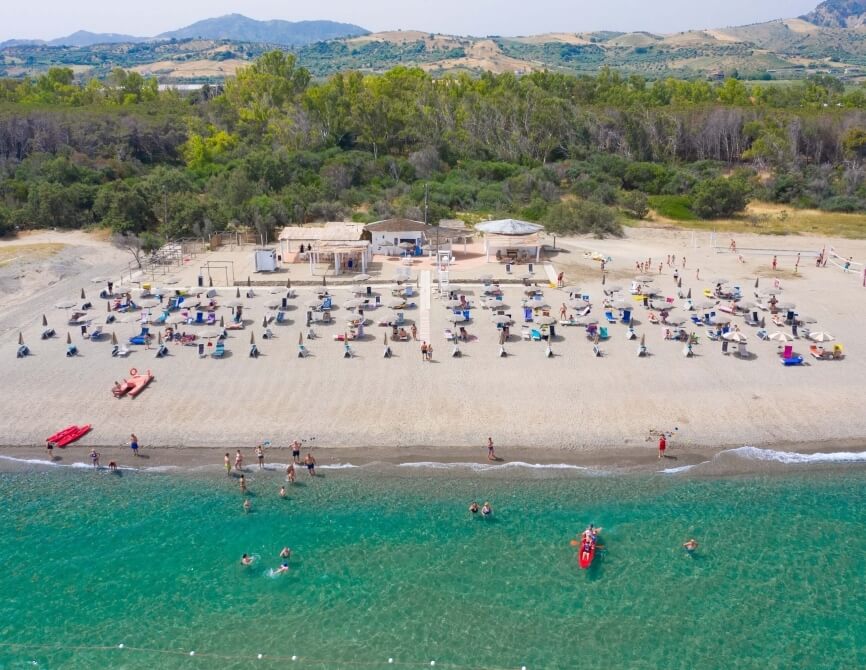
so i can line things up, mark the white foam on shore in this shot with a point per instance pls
(485, 467)
(682, 468)
(793, 457)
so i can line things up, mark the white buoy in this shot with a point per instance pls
(260, 655)
(294, 658)
(192, 653)
(390, 660)
(120, 646)
(432, 662)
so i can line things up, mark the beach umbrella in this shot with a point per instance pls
(276, 290)
(99, 280)
(781, 337)
(603, 282)
(66, 304)
(676, 320)
(354, 303)
(496, 304)
(745, 304)
(68, 338)
(235, 303)
(807, 319)
(643, 279)
(357, 289)
(771, 291)
(188, 302)
(720, 280)
(315, 302)
(721, 320)
(113, 338)
(264, 322)
(704, 304)
(455, 317)
(614, 288)
(175, 319)
(616, 304)
(583, 304)
(222, 322)
(385, 338)
(44, 321)
(108, 305)
(252, 338)
(149, 303)
(83, 297)
(680, 282)
(500, 319)
(486, 277)
(210, 282)
(785, 306)
(361, 277)
(662, 305)
(734, 336)
(571, 289)
(821, 336)
(544, 320)
(238, 292)
(453, 304)
(273, 304)
(211, 333)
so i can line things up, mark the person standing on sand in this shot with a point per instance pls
(775, 262)
(260, 454)
(310, 462)
(698, 274)
(663, 443)
(290, 473)
(414, 331)
(424, 351)
(133, 444)
(239, 460)
(50, 446)
(684, 262)
(228, 463)
(491, 452)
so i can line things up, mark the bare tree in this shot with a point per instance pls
(137, 245)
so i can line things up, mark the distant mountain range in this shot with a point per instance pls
(235, 27)
(831, 39)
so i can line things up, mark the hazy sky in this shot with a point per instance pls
(55, 18)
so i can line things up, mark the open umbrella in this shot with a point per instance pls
(500, 319)
(616, 304)
(190, 301)
(44, 321)
(361, 277)
(583, 304)
(662, 305)
(315, 302)
(821, 336)
(453, 304)
(807, 319)
(771, 291)
(704, 304)
(354, 303)
(235, 303)
(785, 306)
(113, 338)
(455, 317)
(734, 336)
(273, 304)
(676, 320)
(66, 304)
(544, 320)
(357, 289)
(781, 337)
(275, 290)
(99, 280)
(745, 304)
(150, 303)
(572, 289)
(720, 280)
(211, 333)
(643, 279)
(721, 319)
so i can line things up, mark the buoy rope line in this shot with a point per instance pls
(257, 657)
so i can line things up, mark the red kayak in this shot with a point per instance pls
(68, 435)
(584, 562)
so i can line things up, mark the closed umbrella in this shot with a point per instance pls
(264, 322)
(159, 339)
(252, 338)
(821, 336)
(643, 340)
(222, 322)
(44, 321)
(300, 338)
(68, 338)
(83, 297)
(113, 338)
(20, 339)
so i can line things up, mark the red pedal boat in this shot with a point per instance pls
(68, 435)
(584, 559)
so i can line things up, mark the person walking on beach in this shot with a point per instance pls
(239, 460)
(290, 473)
(310, 462)
(260, 454)
(663, 443)
(491, 452)
(775, 262)
(50, 446)
(133, 444)
(228, 463)
(296, 451)
(94, 458)
(424, 351)
(430, 353)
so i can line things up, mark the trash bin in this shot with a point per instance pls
(724, 346)
(285, 303)
(508, 268)
(201, 349)
(200, 280)
(530, 268)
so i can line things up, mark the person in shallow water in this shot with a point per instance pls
(286, 553)
(247, 505)
(246, 560)
(690, 546)
(284, 567)
(486, 509)
(473, 507)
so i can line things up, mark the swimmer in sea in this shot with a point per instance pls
(690, 546)
(284, 567)
(486, 509)
(290, 473)
(473, 507)
(243, 484)
(282, 492)
(286, 553)
(247, 505)
(246, 560)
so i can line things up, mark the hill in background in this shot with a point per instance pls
(286, 33)
(838, 14)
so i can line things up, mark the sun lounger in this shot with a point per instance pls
(535, 335)
(254, 351)
(119, 351)
(48, 333)
(793, 360)
(23, 351)
(602, 333)
(742, 351)
(233, 326)
(71, 350)
(96, 334)
(281, 316)
(708, 293)
(762, 335)
(626, 316)
(817, 352)
(302, 351)
(219, 350)
(211, 318)
(610, 317)
(268, 334)
(162, 351)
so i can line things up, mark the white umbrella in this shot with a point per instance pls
(704, 304)
(361, 277)
(354, 303)
(583, 304)
(500, 319)
(66, 304)
(734, 336)
(273, 304)
(211, 333)
(455, 318)
(189, 302)
(452, 304)
(313, 303)
(781, 337)
(544, 320)
(643, 279)
(175, 319)
(806, 319)
(821, 336)
(397, 303)
(150, 303)
(357, 289)
(571, 289)
(662, 305)
(721, 320)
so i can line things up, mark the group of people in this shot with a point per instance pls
(285, 555)
(486, 510)
(238, 464)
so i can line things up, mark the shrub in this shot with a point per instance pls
(843, 203)
(716, 198)
(676, 207)
(581, 217)
(634, 203)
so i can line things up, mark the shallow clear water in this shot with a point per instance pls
(394, 567)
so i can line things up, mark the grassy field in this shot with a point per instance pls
(766, 219)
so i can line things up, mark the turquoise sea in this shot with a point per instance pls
(390, 565)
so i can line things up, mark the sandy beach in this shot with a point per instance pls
(573, 407)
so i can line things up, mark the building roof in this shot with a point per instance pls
(396, 226)
(452, 224)
(334, 231)
(509, 227)
(513, 241)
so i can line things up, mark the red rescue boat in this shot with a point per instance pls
(68, 435)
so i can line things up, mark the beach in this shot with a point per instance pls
(567, 404)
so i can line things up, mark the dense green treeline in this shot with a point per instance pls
(273, 147)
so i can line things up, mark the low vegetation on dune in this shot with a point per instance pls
(275, 147)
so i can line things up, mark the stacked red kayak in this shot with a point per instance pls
(68, 435)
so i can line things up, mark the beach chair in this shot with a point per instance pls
(642, 351)
(219, 350)
(591, 330)
(254, 351)
(817, 352)
(742, 351)
(48, 333)
(161, 318)
(687, 351)
(626, 316)
(23, 351)
(449, 335)
(327, 303)
(535, 335)
(409, 292)
(525, 333)
(162, 351)
(71, 350)
(281, 316)
(610, 317)
(762, 335)
(302, 351)
(268, 334)
(211, 318)
(596, 351)
(602, 333)
(96, 334)
(752, 319)
(347, 350)
(792, 361)
(401, 318)
(708, 293)
(631, 334)
(119, 351)
(788, 351)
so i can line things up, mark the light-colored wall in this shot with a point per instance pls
(383, 243)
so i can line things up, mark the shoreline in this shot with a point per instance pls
(720, 460)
